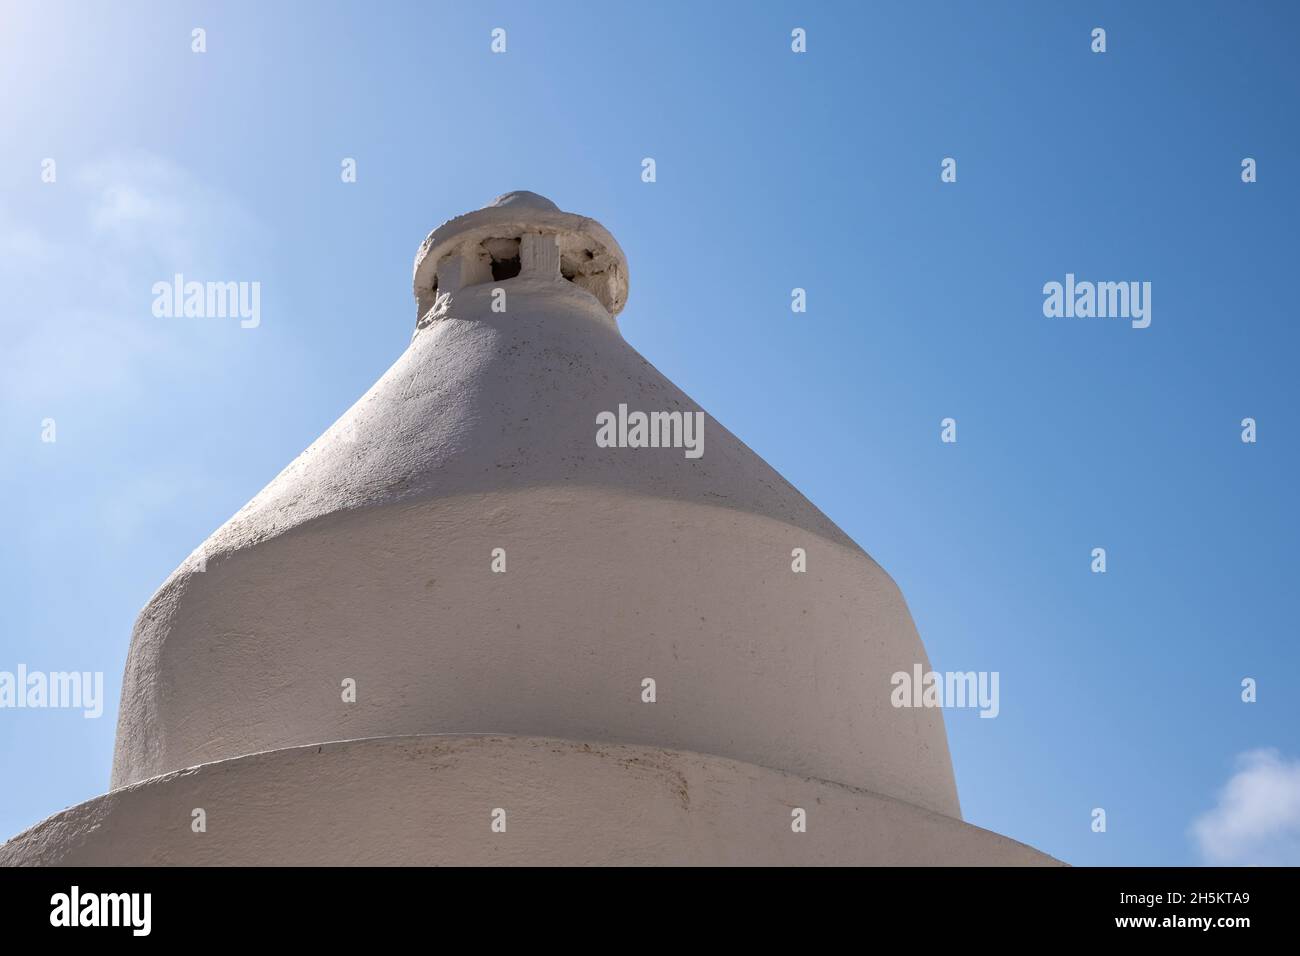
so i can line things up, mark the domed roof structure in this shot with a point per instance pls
(460, 575)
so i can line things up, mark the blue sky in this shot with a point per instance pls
(821, 171)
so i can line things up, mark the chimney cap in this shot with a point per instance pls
(587, 249)
(523, 199)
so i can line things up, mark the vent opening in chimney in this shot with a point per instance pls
(505, 268)
(506, 263)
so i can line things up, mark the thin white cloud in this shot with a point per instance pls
(146, 204)
(1257, 820)
(78, 321)
(79, 342)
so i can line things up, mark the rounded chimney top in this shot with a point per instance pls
(522, 198)
(479, 247)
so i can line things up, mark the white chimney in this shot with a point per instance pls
(463, 628)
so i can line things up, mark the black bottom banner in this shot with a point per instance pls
(208, 905)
